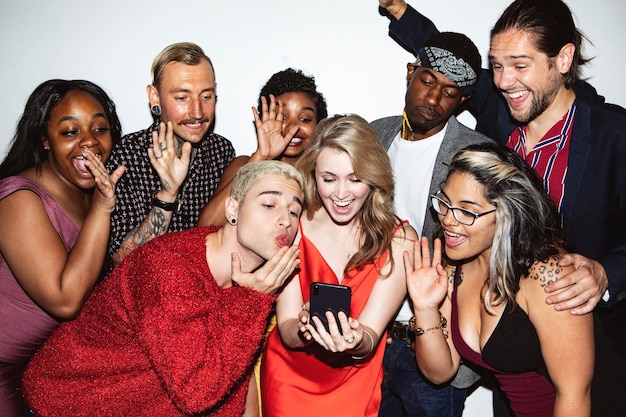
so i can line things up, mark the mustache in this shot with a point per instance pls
(192, 121)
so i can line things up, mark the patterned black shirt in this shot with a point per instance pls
(140, 181)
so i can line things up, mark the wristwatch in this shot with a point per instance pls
(164, 205)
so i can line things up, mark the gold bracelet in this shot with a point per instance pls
(358, 358)
(418, 331)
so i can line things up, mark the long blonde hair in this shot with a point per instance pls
(377, 219)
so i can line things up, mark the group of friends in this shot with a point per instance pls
(159, 274)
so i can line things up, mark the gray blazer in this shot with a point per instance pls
(456, 138)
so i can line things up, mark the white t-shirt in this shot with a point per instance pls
(413, 163)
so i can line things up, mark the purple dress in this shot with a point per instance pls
(24, 326)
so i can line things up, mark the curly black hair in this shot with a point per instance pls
(290, 81)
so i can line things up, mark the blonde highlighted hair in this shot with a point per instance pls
(353, 135)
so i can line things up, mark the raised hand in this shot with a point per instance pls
(427, 282)
(171, 163)
(269, 130)
(396, 8)
(104, 194)
(271, 277)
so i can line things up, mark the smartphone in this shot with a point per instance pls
(325, 297)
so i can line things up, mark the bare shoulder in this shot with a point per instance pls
(405, 236)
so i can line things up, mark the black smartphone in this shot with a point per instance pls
(325, 297)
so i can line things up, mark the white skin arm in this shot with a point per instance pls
(386, 297)
(396, 8)
(567, 341)
(591, 283)
(57, 280)
(172, 170)
(428, 285)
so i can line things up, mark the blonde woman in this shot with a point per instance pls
(350, 236)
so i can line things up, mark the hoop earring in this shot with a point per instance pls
(156, 110)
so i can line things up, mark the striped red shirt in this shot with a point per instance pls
(549, 156)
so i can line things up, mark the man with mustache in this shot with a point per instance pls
(174, 166)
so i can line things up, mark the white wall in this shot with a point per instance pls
(343, 43)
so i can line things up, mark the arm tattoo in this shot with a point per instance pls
(154, 225)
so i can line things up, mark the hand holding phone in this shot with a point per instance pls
(329, 297)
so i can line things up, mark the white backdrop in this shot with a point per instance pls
(343, 43)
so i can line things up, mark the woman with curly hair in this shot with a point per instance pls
(288, 110)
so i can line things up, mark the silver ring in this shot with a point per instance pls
(162, 146)
(349, 340)
(160, 156)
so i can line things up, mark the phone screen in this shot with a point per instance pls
(325, 297)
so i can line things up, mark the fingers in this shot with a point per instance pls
(566, 260)
(417, 254)
(257, 118)
(264, 107)
(185, 154)
(235, 268)
(583, 295)
(578, 291)
(271, 276)
(95, 166)
(274, 110)
(163, 141)
(340, 336)
(272, 113)
(437, 252)
(290, 134)
(117, 174)
(156, 141)
(408, 265)
(425, 252)
(578, 304)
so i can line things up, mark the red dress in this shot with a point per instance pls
(314, 382)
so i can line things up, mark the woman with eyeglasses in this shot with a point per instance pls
(481, 297)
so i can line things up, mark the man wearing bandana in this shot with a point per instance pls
(420, 144)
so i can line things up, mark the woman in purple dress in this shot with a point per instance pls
(56, 199)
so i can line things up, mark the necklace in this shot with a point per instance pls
(407, 132)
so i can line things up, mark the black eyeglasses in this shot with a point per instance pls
(461, 215)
